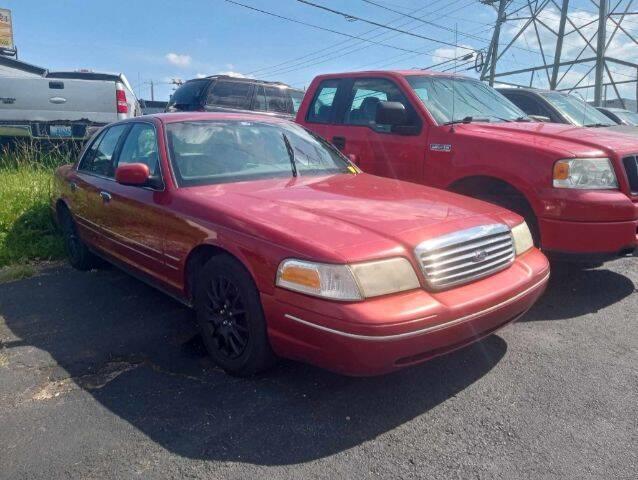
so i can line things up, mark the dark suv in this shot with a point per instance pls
(221, 93)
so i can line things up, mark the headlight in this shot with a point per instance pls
(585, 173)
(522, 238)
(347, 282)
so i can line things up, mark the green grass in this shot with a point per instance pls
(27, 233)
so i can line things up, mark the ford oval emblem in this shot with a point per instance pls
(479, 256)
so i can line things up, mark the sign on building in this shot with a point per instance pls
(6, 30)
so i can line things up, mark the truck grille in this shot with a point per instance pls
(631, 167)
(466, 255)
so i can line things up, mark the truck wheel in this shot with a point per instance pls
(230, 317)
(516, 205)
(80, 257)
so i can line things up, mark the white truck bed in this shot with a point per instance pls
(45, 107)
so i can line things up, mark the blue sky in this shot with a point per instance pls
(161, 40)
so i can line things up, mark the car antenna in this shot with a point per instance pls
(456, 42)
(291, 155)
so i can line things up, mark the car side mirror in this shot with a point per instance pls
(391, 113)
(540, 118)
(134, 174)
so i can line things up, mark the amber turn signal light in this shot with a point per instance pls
(301, 276)
(561, 170)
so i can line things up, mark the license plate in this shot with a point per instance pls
(60, 131)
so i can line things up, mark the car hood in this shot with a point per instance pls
(352, 217)
(561, 138)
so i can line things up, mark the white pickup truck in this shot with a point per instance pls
(63, 105)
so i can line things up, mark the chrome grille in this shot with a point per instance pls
(466, 255)
(631, 167)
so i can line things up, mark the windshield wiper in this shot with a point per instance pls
(291, 155)
(596, 125)
(522, 119)
(468, 119)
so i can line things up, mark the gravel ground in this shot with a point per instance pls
(103, 377)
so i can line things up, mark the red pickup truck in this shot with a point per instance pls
(577, 188)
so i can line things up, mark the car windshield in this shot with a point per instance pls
(221, 151)
(577, 111)
(631, 118)
(451, 99)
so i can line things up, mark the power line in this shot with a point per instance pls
(343, 34)
(330, 56)
(343, 42)
(348, 16)
(449, 29)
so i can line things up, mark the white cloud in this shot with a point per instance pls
(447, 53)
(178, 59)
(233, 74)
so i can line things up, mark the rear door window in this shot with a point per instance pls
(99, 158)
(188, 96)
(230, 95)
(278, 100)
(259, 101)
(322, 108)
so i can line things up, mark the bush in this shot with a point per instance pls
(26, 230)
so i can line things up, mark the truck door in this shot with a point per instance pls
(377, 149)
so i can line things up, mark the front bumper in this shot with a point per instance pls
(589, 225)
(381, 335)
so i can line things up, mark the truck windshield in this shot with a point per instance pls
(577, 111)
(207, 152)
(451, 99)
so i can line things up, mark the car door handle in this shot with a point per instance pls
(73, 186)
(339, 142)
(106, 197)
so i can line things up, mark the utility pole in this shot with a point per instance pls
(152, 91)
(600, 52)
(559, 44)
(495, 39)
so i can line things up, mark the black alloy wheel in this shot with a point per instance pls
(230, 317)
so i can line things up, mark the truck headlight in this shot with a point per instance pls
(585, 173)
(347, 282)
(522, 238)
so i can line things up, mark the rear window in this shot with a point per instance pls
(230, 95)
(188, 95)
(278, 100)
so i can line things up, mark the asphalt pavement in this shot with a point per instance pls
(103, 377)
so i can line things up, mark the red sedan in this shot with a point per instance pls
(283, 247)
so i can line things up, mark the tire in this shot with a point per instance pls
(231, 319)
(80, 257)
(519, 206)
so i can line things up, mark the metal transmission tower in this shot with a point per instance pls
(553, 25)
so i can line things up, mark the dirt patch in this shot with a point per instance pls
(109, 372)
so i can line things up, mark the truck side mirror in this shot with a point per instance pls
(391, 113)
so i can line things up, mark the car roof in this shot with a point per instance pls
(404, 73)
(166, 117)
(243, 80)
(527, 89)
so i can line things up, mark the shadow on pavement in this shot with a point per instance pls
(136, 352)
(573, 292)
